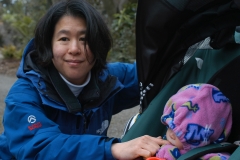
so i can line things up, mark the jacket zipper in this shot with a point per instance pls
(84, 123)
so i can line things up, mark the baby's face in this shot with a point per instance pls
(173, 139)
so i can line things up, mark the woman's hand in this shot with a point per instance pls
(145, 146)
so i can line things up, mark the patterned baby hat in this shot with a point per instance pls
(199, 114)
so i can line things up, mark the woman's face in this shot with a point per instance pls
(70, 57)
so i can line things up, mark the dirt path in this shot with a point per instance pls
(5, 84)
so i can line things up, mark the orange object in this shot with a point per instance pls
(155, 158)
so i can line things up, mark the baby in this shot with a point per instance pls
(197, 115)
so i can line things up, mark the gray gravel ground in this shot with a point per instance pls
(5, 84)
(116, 127)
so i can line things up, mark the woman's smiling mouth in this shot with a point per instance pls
(74, 62)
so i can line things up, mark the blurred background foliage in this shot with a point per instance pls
(19, 17)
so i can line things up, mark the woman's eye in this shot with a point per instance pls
(82, 39)
(63, 39)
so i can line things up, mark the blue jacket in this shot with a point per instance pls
(39, 125)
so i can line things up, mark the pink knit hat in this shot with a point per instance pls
(199, 114)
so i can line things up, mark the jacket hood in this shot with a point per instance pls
(28, 48)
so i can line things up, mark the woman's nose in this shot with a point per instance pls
(74, 48)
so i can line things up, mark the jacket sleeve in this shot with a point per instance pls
(129, 96)
(31, 135)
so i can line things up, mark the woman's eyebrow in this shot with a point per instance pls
(64, 31)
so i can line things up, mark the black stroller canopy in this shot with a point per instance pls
(165, 29)
(171, 36)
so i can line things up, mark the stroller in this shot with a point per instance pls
(182, 42)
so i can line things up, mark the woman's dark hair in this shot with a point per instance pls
(97, 37)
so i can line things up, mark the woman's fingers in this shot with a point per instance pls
(157, 140)
(145, 146)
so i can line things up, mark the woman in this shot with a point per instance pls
(62, 103)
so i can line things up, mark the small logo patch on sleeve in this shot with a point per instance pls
(32, 120)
